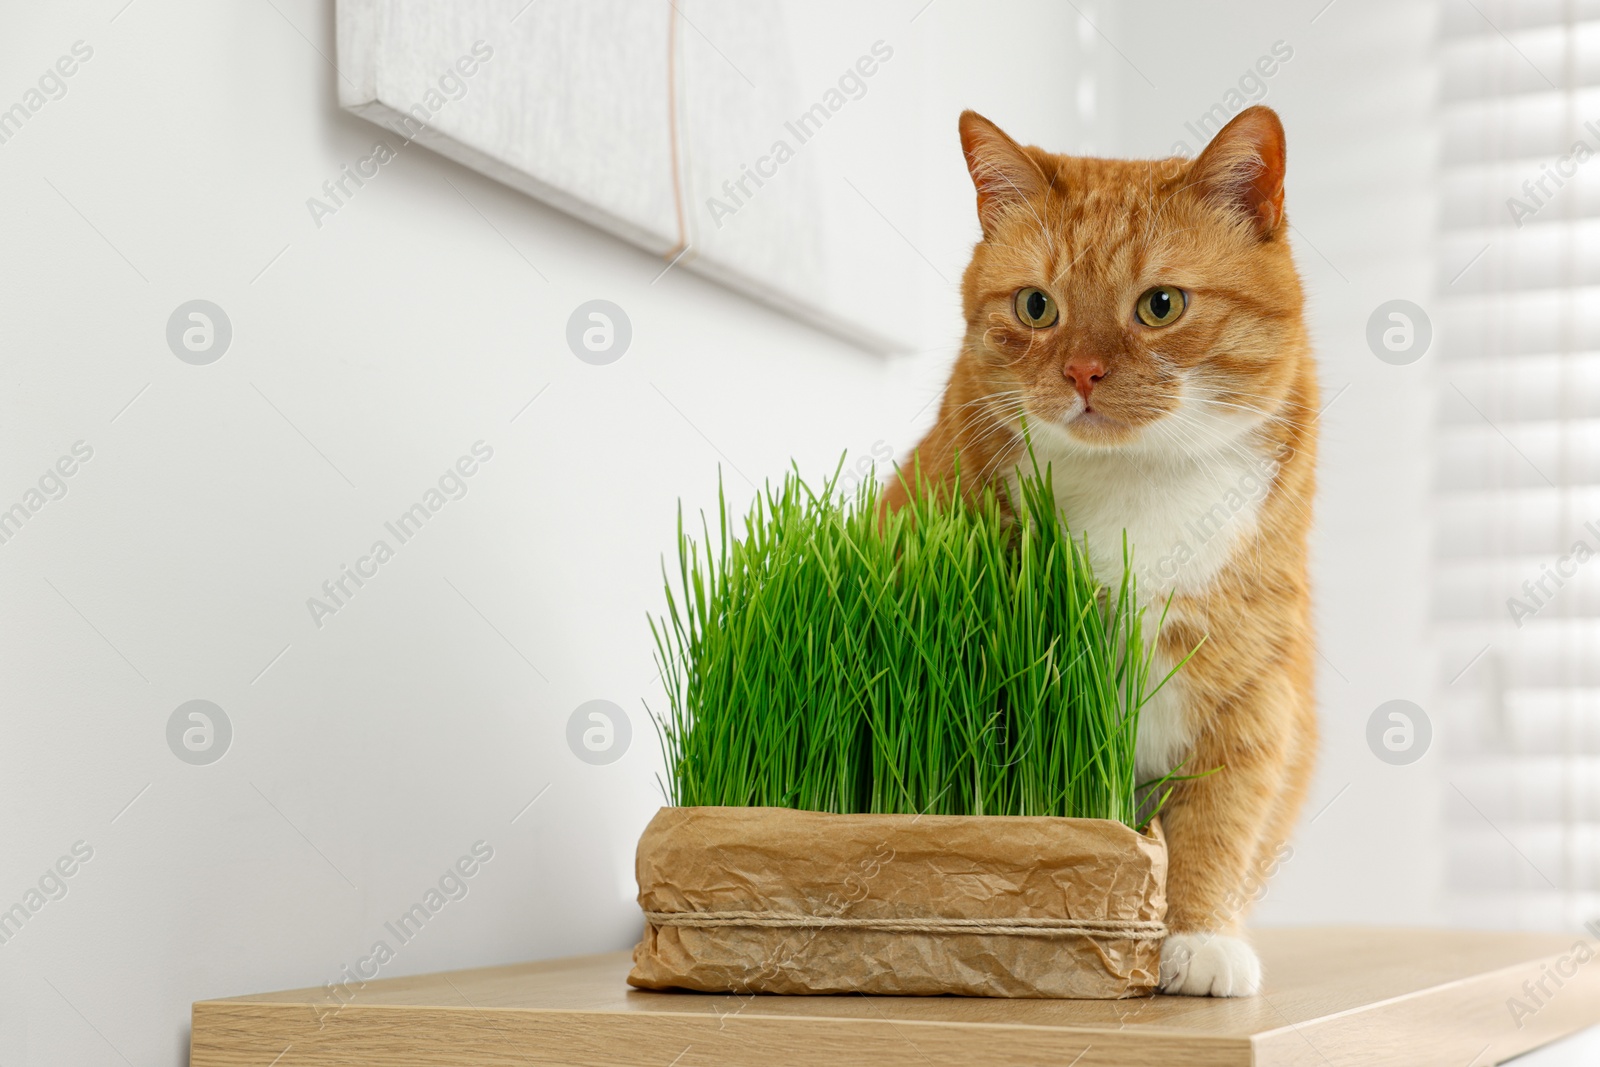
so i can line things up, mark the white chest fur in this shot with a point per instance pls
(1186, 517)
(1165, 733)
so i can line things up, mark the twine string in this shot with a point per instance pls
(1130, 929)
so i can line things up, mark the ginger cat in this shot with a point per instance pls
(1146, 319)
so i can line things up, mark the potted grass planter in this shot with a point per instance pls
(900, 756)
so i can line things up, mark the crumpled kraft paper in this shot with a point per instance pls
(776, 861)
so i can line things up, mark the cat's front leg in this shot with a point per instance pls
(1213, 827)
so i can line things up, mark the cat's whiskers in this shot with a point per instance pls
(1277, 399)
(1241, 449)
(1199, 434)
(1262, 414)
(989, 398)
(1190, 447)
(1188, 419)
(1194, 395)
(995, 422)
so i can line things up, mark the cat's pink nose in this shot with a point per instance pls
(1083, 374)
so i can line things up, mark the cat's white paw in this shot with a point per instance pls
(1209, 965)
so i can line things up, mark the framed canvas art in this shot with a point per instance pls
(680, 126)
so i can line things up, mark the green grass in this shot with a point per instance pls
(947, 660)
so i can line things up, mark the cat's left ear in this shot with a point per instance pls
(1242, 168)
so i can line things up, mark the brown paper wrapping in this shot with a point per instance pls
(779, 862)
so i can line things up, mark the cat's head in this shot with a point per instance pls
(1133, 304)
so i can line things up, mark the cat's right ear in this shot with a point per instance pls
(1001, 171)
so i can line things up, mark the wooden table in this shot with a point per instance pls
(1333, 997)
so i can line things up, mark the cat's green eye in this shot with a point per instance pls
(1161, 306)
(1035, 308)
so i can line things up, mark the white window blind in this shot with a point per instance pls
(1517, 603)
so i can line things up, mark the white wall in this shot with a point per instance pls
(365, 359)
